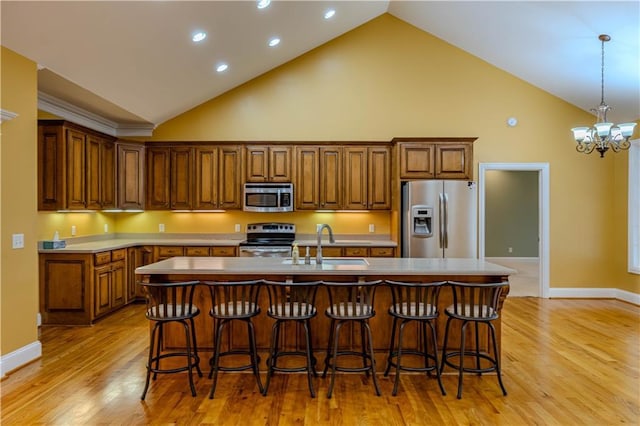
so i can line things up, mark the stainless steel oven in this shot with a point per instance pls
(268, 240)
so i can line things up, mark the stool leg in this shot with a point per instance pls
(158, 349)
(254, 354)
(272, 354)
(495, 353)
(434, 338)
(462, 349)
(309, 350)
(399, 355)
(313, 358)
(328, 356)
(373, 359)
(216, 358)
(477, 348)
(392, 345)
(189, 356)
(150, 360)
(363, 345)
(444, 345)
(195, 346)
(334, 356)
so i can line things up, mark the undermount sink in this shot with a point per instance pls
(358, 261)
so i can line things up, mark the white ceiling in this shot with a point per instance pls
(133, 62)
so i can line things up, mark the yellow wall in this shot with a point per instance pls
(19, 268)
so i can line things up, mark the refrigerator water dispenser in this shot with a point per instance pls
(421, 220)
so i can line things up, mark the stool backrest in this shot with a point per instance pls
(477, 300)
(237, 299)
(289, 299)
(419, 299)
(351, 299)
(170, 301)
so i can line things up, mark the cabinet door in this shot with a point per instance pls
(181, 178)
(257, 164)
(130, 176)
(355, 180)
(306, 189)
(379, 179)
(93, 166)
(102, 290)
(280, 164)
(75, 179)
(107, 175)
(417, 160)
(50, 171)
(230, 177)
(330, 182)
(158, 162)
(453, 161)
(118, 284)
(206, 178)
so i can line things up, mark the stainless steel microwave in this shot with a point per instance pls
(268, 197)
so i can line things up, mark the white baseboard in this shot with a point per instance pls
(20, 357)
(595, 293)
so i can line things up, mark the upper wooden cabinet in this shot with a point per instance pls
(318, 182)
(76, 167)
(130, 172)
(269, 163)
(203, 177)
(367, 178)
(435, 158)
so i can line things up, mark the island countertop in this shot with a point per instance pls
(375, 266)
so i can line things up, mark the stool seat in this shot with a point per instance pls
(477, 304)
(166, 303)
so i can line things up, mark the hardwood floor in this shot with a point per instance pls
(565, 362)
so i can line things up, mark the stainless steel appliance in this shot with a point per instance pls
(268, 197)
(268, 240)
(439, 219)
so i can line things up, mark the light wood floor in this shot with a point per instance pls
(565, 362)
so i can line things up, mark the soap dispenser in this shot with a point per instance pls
(295, 254)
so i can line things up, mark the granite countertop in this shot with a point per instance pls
(97, 244)
(387, 266)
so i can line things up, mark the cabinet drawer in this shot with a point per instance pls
(196, 251)
(382, 252)
(223, 251)
(119, 254)
(356, 252)
(168, 251)
(102, 258)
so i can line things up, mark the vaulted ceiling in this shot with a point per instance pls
(134, 63)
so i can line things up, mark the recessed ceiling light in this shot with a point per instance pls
(274, 42)
(263, 3)
(199, 36)
(329, 13)
(222, 67)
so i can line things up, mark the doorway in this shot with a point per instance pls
(527, 267)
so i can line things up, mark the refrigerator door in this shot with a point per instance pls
(459, 223)
(421, 226)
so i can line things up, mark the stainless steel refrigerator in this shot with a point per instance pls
(439, 219)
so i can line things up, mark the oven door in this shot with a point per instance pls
(265, 251)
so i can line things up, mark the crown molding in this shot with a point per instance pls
(80, 116)
(7, 115)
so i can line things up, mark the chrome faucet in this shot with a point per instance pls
(319, 229)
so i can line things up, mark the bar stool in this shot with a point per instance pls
(294, 303)
(171, 302)
(350, 302)
(478, 304)
(414, 302)
(233, 301)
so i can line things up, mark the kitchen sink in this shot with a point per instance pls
(335, 261)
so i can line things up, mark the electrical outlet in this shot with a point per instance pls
(74, 230)
(372, 227)
(106, 227)
(510, 249)
(17, 241)
(237, 227)
(161, 227)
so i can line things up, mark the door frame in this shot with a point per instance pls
(543, 213)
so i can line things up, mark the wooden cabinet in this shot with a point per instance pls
(130, 172)
(354, 251)
(367, 178)
(182, 178)
(136, 257)
(270, 163)
(76, 167)
(435, 158)
(318, 182)
(158, 161)
(110, 282)
(230, 177)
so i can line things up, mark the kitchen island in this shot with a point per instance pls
(279, 269)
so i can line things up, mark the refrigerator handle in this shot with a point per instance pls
(442, 211)
(445, 220)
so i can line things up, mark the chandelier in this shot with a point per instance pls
(603, 135)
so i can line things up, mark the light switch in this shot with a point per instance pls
(237, 227)
(372, 227)
(161, 227)
(17, 241)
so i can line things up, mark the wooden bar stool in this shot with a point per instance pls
(350, 302)
(414, 302)
(234, 301)
(477, 304)
(171, 302)
(293, 303)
